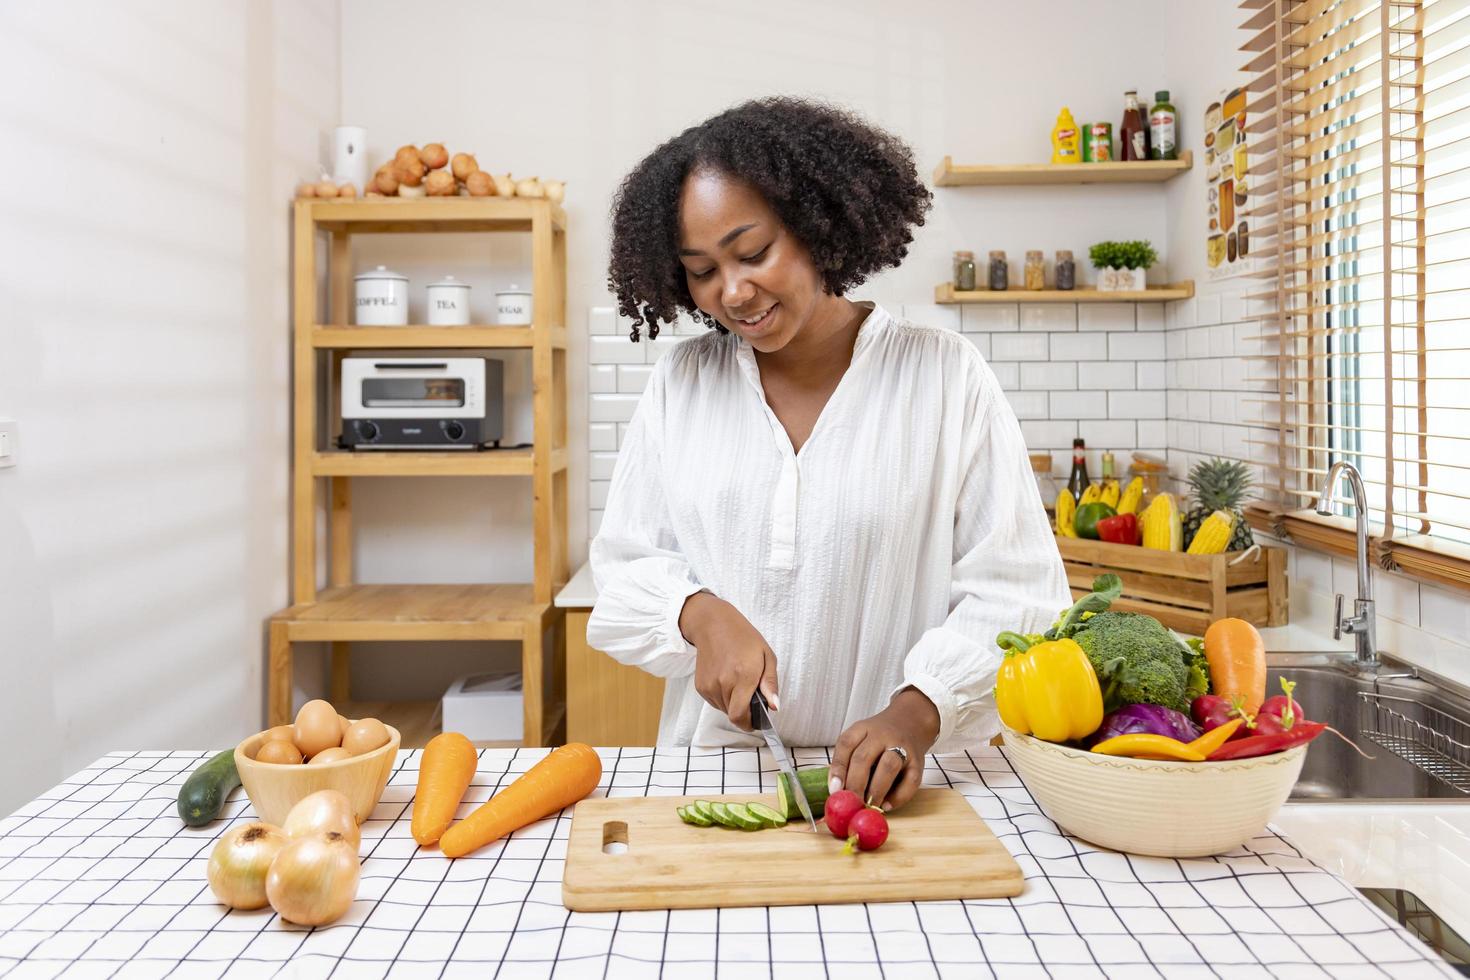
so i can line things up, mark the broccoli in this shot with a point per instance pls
(1199, 667)
(1137, 660)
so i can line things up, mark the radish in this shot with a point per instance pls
(868, 829)
(840, 808)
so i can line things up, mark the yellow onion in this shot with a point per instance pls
(439, 183)
(556, 190)
(314, 879)
(463, 165)
(479, 184)
(240, 861)
(324, 811)
(408, 190)
(433, 155)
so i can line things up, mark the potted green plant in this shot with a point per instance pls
(1122, 265)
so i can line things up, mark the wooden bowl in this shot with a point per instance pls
(274, 789)
(1146, 806)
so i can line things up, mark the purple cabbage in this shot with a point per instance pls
(1151, 719)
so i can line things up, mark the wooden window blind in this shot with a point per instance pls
(1360, 181)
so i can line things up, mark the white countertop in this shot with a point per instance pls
(579, 592)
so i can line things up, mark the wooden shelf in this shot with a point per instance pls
(946, 293)
(362, 216)
(452, 462)
(950, 174)
(416, 337)
(419, 721)
(347, 613)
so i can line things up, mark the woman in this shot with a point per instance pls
(814, 499)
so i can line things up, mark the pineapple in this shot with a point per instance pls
(1219, 484)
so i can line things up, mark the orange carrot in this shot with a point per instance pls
(1237, 658)
(445, 772)
(559, 780)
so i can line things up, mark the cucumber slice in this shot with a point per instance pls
(705, 809)
(765, 814)
(744, 817)
(721, 813)
(693, 816)
(683, 813)
(814, 781)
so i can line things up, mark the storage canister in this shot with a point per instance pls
(449, 302)
(513, 307)
(381, 298)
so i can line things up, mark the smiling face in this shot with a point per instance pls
(743, 267)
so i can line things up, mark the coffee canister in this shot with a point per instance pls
(381, 298)
(512, 307)
(449, 302)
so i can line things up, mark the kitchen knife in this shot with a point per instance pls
(760, 719)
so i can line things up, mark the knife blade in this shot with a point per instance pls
(760, 719)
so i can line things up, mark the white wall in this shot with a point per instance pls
(144, 351)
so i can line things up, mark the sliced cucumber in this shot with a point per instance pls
(683, 814)
(744, 817)
(721, 813)
(705, 809)
(814, 781)
(693, 816)
(765, 814)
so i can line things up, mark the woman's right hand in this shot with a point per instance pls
(733, 658)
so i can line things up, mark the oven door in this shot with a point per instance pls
(413, 388)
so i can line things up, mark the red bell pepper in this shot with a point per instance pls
(1119, 529)
(1248, 748)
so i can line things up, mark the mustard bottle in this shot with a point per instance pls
(1066, 139)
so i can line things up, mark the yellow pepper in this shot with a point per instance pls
(1047, 689)
(1216, 737)
(1142, 745)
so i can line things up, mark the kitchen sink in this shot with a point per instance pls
(1411, 722)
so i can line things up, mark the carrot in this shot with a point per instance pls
(445, 772)
(559, 780)
(1237, 658)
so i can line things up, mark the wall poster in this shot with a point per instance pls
(1227, 234)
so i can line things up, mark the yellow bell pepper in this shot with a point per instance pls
(1047, 689)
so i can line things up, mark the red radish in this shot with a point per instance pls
(1210, 711)
(839, 809)
(868, 829)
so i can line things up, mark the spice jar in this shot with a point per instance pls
(999, 276)
(1045, 485)
(1035, 271)
(964, 271)
(1066, 270)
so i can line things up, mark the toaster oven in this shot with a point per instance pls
(422, 402)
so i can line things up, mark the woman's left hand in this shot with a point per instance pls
(864, 762)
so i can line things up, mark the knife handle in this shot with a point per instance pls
(760, 714)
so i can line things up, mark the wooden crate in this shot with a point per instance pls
(1185, 592)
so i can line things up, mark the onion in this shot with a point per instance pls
(530, 187)
(412, 176)
(307, 188)
(408, 190)
(556, 190)
(347, 190)
(313, 880)
(463, 165)
(434, 155)
(386, 181)
(504, 186)
(325, 811)
(240, 861)
(325, 188)
(479, 184)
(439, 183)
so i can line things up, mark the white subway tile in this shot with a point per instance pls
(1152, 434)
(1053, 375)
(622, 434)
(633, 378)
(1053, 434)
(1199, 406)
(1171, 316)
(655, 349)
(1222, 340)
(1137, 404)
(1028, 404)
(1111, 375)
(1233, 441)
(615, 349)
(1208, 374)
(1395, 596)
(1150, 316)
(600, 465)
(1222, 406)
(1151, 376)
(1207, 310)
(1232, 307)
(1114, 434)
(1443, 612)
(602, 320)
(1105, 316)
(602, 437)
(1178, 404)
(602, 378)
(1197, 342)
(1174, 345)
(1211, 440)
(1136, 346)
(1314, 572)
(933, 315)
(594, 523)
(1188, 374)
(981, 342)
(1007, 373)
(989, 317)
(1019, 347)
(1188, 438)
(1079, 404)
(612, 408)
(597, 494)
(1232, 374)
(1185, 314)
(1079, 346)
(1048, 316)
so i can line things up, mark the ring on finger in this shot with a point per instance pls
(902, 753)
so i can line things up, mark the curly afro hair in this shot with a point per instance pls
(847, 190)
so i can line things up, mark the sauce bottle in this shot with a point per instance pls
(1066, 139)
(1163, 138)
(1133, 132)
(1078, 481)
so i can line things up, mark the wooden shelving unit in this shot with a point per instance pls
(946, 293)
(950, 174)
(344, 612)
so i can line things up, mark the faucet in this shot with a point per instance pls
(1362, 624)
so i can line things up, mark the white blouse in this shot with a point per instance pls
(887, 553)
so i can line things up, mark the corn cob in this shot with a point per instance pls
(1109, 493)
(1066, 513)
(1163, 529)
(1091, 495)
(1213, 534)
(1132, 496)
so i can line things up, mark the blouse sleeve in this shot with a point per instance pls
(642, 578)
(1007, 572)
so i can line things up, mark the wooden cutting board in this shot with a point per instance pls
(937, 848)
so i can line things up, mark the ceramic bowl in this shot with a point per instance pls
(1162, 808)
(275, 789)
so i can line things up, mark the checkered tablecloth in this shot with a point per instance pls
(99, 878)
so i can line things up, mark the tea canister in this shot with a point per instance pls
(381, 298)
(449, 302)
(512, 307)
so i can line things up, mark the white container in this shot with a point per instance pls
(513, 307)
(1112, 280)
(349, 156)
(449, 302)
(381, 298)
(485, 707)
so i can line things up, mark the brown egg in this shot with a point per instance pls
(434, 155)
(287, 732)
(365, 735)
(316, 728)
(334, 754)
(279, 752)
(343, 723)
(325, 188)
(347, 190)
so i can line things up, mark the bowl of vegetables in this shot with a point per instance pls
(1131, 738)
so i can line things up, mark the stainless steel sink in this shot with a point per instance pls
(1411, 722)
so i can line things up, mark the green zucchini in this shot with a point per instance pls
(814, 782)
(765, 815)
(203, 794)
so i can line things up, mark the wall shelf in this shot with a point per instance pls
(950, 174)
(420, 337)
(945, 293)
